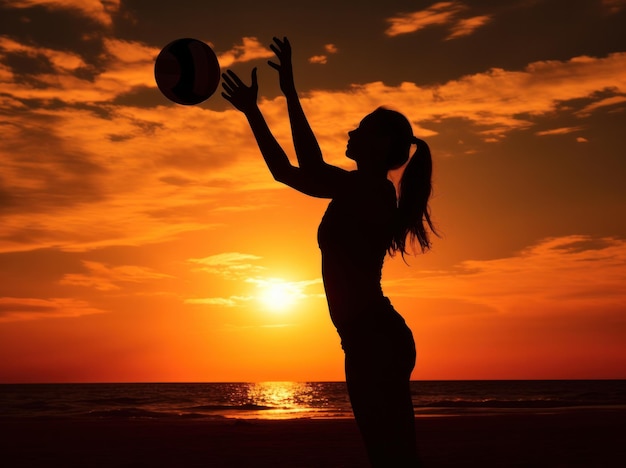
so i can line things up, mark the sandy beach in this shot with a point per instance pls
(574, 439)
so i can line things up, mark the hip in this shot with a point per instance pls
(378, 327)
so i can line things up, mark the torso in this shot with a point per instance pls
(354, 236)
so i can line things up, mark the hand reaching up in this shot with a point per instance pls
(282, 49)
(241, 96)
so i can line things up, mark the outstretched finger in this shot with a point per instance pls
(228, 81)
(227, 88)
(253, 78)
(283, 45)
(273, 65)
(228, 98)
(235, 78)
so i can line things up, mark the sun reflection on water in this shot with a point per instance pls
(281, 399)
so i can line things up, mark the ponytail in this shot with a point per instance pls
(413, 221)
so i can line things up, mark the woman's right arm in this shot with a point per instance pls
(244, 99)
(307, 148)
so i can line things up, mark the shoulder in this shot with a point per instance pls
(370, 198)
(370, 188)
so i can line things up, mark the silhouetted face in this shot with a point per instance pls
(365, 140)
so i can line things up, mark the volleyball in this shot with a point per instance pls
(186, 71)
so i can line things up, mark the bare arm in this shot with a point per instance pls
(244, 98)
(307, 148)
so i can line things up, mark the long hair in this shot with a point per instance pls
(415, 189)
(413, 222)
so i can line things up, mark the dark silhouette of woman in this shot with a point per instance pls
(363, 222)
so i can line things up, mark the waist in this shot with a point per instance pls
(374, 313)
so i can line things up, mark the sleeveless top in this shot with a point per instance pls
(353, 237)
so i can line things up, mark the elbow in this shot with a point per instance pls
(280, 173)
(280, 176)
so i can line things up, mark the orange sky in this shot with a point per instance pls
(145, 241)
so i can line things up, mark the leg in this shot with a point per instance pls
(377, 374)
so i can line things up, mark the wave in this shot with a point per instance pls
(243, 407)
(138, 413)
(193, 412)
(530, 404)
(114, 401)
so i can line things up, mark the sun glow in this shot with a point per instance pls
(278, 295)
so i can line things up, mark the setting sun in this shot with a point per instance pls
(278, 295)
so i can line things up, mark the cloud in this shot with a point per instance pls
(577, 274)
(229, 265)
(14, 309)
(613, 101)
(107, 179)
(465, 27)
(58, 60)
(559, 131)
(106, 278)
(100, 11)
(496, 101)
(232, 301)
(262, 282)
(295, 289)
(323, 59)
(129, 64)
(318, 59)
(126, 65)
(250, 49)
(438, 14)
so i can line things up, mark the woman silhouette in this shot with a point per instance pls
(363, 222)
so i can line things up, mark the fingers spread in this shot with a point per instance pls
(227, 88)
(235, 78)
(227, 80)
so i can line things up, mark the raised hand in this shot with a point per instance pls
(282, 49)
(241, 96)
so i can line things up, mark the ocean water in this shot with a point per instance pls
(286, 400)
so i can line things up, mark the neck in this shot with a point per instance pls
(373, 171)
